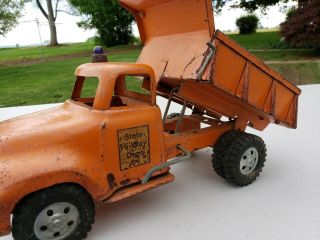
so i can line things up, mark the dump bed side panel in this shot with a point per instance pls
(239, 73)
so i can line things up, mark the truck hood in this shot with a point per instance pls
(45, 128)
(33, 121)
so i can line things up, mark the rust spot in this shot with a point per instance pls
(125, 182)
(104, 126)
(111, 179)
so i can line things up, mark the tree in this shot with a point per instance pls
(114, 23)
(53, 8)
(51, 17)
(250, 6)
(9, 14)
(302, 27)
(247, 24)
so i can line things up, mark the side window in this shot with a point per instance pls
(138, 84)
(132, 90)
(85, 90)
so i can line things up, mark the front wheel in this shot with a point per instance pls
(62, 212)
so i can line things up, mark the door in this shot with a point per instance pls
(132, 140)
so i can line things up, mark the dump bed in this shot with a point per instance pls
(221, 77)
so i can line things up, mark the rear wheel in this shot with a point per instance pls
(62, 212)
(241, 157)
(219, 151)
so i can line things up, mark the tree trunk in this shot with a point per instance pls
(52, 24)
(53, 34)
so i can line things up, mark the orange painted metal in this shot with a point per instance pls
(75, 142)
(195, 139)
(127, 192)
(175, 34)
(188, 123)
(240, 74)
(78, 142)
(46, 148)
(91, 141)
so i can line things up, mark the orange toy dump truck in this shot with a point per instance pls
(56, 163)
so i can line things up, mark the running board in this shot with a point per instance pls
(134, 189)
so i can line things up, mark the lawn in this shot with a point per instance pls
(300, 73)
(48, 82)
(259, 40)
(10, 54)
(286, 54)
(27, 83)
(47, 52)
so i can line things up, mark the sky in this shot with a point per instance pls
(26, 33)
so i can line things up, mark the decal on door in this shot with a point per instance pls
(134, 148)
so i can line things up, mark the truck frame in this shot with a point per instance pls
(55, 164)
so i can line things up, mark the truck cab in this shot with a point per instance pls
(98, 143)
(131, 124)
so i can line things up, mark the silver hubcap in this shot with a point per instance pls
(57, 221)
(249, 161)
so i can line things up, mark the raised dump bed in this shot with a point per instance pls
(208, 69)
(239, 73)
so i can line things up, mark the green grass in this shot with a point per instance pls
(269, 41)
(259, 40)
(48, 82)
(287, 55)
(27, 53)
(11, 54)
(300, 73)
(52, 81)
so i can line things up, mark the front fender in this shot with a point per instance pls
(14, 189)
(11, 195)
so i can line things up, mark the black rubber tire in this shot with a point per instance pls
(233, 154)
(29, 208)
(219, 151)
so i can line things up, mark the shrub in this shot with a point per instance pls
(247, 24)
(290, 13)
(279, 44)
(302, 29)
(136, 41)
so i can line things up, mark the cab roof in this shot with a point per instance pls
(103, 70)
